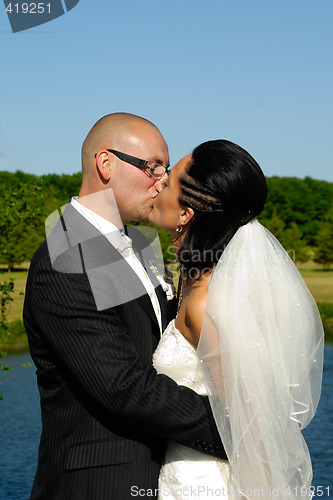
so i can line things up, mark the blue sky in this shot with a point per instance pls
(258, 73)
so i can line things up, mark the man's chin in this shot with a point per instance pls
(144, 215)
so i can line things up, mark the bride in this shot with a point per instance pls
(247, 332)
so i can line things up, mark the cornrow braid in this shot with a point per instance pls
(193, 194)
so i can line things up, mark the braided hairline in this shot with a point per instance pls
(197, 196)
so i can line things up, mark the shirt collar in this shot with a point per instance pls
(114, 235)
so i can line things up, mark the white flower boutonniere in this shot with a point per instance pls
(165, 279)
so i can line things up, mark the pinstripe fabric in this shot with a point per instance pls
(105, 411)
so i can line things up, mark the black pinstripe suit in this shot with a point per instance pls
(105, 411)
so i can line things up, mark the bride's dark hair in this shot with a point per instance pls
(226, 188)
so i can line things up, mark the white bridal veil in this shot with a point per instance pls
(261, 349)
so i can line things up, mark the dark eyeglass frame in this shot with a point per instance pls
(142, 164)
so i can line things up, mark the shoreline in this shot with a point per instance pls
(15, 348)
(21, 348)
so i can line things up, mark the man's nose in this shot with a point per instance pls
(160, 184)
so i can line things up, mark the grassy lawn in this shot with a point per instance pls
(15, 308)
(320, 284)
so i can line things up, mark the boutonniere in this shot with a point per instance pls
(165, 278)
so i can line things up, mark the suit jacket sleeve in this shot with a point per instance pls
(100, 363)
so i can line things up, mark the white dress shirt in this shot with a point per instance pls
(123, 244)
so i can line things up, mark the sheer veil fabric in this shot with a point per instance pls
(261, 350)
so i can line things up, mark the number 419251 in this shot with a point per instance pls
(29, 8)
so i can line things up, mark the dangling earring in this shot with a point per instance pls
(179, 228)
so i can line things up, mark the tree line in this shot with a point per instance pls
(299, 212)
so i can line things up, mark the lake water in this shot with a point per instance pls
(20, 429)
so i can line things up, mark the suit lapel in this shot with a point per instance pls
(112, 279)
(160, 296)
(104, 265)
(147, 257)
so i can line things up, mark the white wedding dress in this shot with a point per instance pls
(187, 473)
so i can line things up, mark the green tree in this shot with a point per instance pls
(295, 244)
(302, 201)
(275, 225)
(20, 216)
(20, 246)
(324, 252)
(63, 186)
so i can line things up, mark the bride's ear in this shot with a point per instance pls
(186, 216)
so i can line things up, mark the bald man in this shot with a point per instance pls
(94, 315)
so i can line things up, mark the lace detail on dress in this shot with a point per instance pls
(176, 357)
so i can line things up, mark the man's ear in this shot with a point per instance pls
(186, 216)
(103, 165)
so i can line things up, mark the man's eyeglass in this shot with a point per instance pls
(155, 170)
